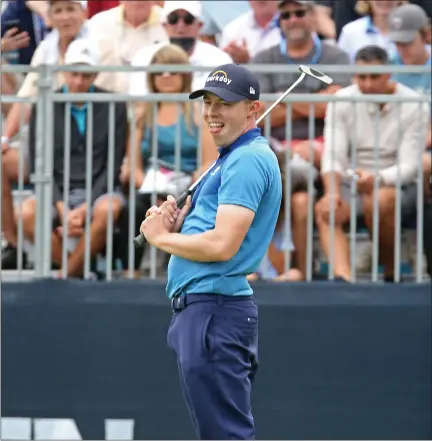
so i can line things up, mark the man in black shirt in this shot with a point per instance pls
(70, 218)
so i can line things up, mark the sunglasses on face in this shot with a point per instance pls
(371, 76)
(299, 13)
(174, 18)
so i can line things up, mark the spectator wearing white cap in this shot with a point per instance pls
(182, 22)
(71, 218)
(124, 30)
(252, 32)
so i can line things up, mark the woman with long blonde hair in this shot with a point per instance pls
(371, 29)
(171, 121)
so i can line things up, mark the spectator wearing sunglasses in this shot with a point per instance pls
(252, 32)
(300, 45)
(182, 22)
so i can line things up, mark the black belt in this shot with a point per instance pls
(180, 302)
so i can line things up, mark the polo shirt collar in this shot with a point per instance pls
(370, 27)
(246, 138)
(273, 23)
(153, 19)
(83, 108)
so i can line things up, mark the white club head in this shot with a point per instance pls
(315, 74)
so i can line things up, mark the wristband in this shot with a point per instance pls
(5, 140)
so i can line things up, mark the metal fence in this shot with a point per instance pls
(41, 182)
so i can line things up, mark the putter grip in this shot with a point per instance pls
(139, 241)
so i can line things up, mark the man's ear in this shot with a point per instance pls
(254, 107)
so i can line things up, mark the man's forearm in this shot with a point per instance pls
(304, 109)
(203, 247)
(331, 184)
(278, 115)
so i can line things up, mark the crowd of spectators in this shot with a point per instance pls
(142, 33)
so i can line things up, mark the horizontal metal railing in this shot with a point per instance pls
(258, 68)
(43, 175)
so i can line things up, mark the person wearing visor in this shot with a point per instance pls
(182, 22)
(216, 240)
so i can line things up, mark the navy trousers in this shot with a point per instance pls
(215, 339)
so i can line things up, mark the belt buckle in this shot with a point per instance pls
(176, 303)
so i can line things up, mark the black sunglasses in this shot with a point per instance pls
(371, 76)
(299, 13)
(174, 18)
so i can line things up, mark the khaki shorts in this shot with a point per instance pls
(408, 199)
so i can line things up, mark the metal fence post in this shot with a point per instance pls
(45, 135)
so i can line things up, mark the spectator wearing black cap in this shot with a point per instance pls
(300, 46)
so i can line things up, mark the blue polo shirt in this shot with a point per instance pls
(421, 83)
(79, 113)
(246, 174)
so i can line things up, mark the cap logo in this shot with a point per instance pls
(397, 22)
(219, 75)
(252, 90)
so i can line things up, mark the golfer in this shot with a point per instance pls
(217, 239)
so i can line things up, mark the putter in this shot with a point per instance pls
(139, 241)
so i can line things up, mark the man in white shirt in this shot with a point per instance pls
(252, 32)
(387, 141)
(182, 22)
(122, 32)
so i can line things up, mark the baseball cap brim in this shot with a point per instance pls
(402, 36)
(225, 94)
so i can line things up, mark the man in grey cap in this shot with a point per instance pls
(409, 26)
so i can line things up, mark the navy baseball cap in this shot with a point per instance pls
(232, 83)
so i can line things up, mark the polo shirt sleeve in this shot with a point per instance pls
(245, 178)
(29, 87)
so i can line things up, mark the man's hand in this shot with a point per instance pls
(13, 39)
(305, 150)
(126, 172)
(75, 222)
(239, 53)
(174, 215)
(365, 182)
(323, 208)
(5, 147)
(154, 226)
